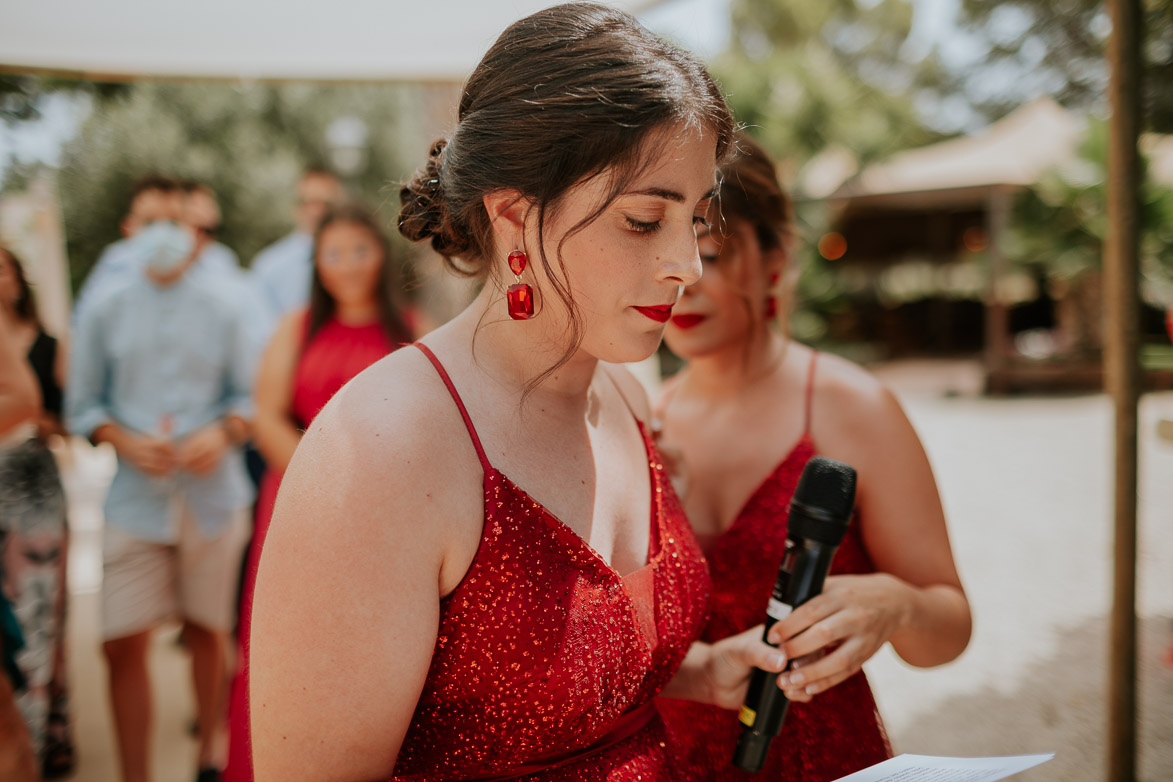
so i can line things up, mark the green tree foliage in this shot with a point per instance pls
(249, 143)
(1059, 228)
(807, 74)
(1062, 223)
(1057, 48)
(21, 94)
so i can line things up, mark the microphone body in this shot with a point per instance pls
(819, 513)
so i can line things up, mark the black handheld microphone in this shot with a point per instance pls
(819, 512)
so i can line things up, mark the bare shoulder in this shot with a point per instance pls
(853, 411)
(389, 455)
(848, 382)
(378, 517)
(631, 389)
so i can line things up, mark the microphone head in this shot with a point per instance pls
(822, 504)
(828, 485)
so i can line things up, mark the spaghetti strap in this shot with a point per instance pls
(623, 396)
(810, 388)
(668, 391)
(472, 432)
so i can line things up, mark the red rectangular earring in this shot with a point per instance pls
(519, 295)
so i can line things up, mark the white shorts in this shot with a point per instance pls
(145, 584)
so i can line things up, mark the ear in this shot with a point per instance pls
(507, 210)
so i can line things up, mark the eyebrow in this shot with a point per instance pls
(670, 195)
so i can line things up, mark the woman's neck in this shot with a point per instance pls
(12, 320)
(356, 314)
(729, 371)
(516, 353)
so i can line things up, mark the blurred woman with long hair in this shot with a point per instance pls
(33, 531)
(354, 318)
(745, 415)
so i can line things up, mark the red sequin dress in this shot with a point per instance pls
(336, 354)
(547, 660)
(837, 733)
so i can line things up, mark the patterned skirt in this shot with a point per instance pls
(33, 539)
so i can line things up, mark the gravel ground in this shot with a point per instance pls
(1026, 485)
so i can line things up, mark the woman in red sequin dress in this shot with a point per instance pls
(743, 418)
(353, 321)
(477, 569)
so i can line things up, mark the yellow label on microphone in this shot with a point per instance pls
(748, 716)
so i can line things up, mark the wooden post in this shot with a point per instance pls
(1122, 371)
(997, 318)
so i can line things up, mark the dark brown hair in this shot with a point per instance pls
(565, 94)
(387, 291)
(150, 182)
(750, 192)
(26, 304)
(317, 170)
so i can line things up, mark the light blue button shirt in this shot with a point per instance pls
(119, 262)
(283, 272)
(144, 354)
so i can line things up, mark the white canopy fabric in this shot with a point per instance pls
(327, 40)
(1015, 150)
(1018, 150)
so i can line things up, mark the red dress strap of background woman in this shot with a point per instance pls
(810, 393)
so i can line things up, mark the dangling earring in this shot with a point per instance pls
(519, 295)
(771, 300)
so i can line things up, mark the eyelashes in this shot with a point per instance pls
(641, 227)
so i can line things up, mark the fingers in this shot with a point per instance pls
(732, 662)
(809, 613)
(749, 651)
(200, 461)
(826, 623)
(811, 676)
(156, 458)
(825, 633)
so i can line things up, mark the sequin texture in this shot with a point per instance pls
(540, 650)
(837, 733)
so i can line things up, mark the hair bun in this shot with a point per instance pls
(423, 208)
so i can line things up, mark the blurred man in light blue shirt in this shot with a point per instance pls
(157, 198)
(153, 198)
(161, 369)
(219, 264)
(282, 271)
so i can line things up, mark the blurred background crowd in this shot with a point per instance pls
(948, 172)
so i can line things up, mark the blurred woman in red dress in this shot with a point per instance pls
(744, 417)
(353, 320)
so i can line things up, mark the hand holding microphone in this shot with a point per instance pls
(819, 514)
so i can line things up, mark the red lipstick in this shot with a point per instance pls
(686, 321)
(659, 314)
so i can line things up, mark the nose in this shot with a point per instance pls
(681, 264)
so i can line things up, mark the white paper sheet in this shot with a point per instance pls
(925, 768)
